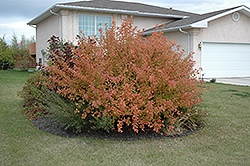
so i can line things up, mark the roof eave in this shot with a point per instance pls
(204, 23)
(128, 12)
(167, 29)
(42, 15)
(56, 8)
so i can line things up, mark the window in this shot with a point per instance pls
(40, 61)
(91, 24)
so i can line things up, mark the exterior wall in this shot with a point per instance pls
(70, 26)
(222, 29)
(181, 39)
(70, 22)
(50, 26)
(44, 30)
(148, 22)
(225, 29)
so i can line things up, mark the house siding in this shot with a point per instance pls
(225, 29)
(70, 22)
(222, 29)
(44, 30)
(70, 27)
(181, 39)
(149, 22)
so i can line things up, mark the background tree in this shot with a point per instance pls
(14, 45)
(6, 53)
(21, 52)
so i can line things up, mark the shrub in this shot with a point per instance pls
(32, 93)
(69, 114)
(213, 80)
(25, 62)
(123, 78)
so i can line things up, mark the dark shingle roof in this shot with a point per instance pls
(190, 20)
(127, 6)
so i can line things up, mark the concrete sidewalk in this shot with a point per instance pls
(235, 81)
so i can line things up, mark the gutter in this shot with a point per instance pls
(127, 12)
(149, 32)
(32, 26)
(45, 14)
(60, 23)
(187, 33)
(58, 7)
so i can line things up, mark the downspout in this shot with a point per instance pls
(188, 49)
(60, 23)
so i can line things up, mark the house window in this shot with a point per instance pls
(91, 24)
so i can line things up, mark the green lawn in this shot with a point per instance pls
(224, 140)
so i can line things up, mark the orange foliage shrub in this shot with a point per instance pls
(142, 82)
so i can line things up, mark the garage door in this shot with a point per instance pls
(221, 59)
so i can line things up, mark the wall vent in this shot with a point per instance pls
(236, 16)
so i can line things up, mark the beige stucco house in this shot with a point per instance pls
(220, 40)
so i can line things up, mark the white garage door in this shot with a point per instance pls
(225, 59)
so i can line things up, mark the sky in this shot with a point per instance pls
(14, 14)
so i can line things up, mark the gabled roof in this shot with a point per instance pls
(110, 6)
(128, 6)
(199, 21)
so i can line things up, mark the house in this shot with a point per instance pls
(220, 39)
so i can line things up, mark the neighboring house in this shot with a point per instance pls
(220, 40)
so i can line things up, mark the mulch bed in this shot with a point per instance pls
(50, 125)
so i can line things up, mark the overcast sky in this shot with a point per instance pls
(14, 14)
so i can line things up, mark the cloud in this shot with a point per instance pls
(19, 28)
(14, 8)
(25, 8)
(21, 24)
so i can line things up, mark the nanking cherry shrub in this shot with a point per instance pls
(138, 81)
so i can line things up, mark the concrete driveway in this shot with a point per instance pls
(235, 81)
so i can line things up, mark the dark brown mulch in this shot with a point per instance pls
(50, 125)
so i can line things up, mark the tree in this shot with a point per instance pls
(21, 48)
(6, 53)
(21, 52)
(14, 45)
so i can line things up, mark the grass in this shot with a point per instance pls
(224, 140)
